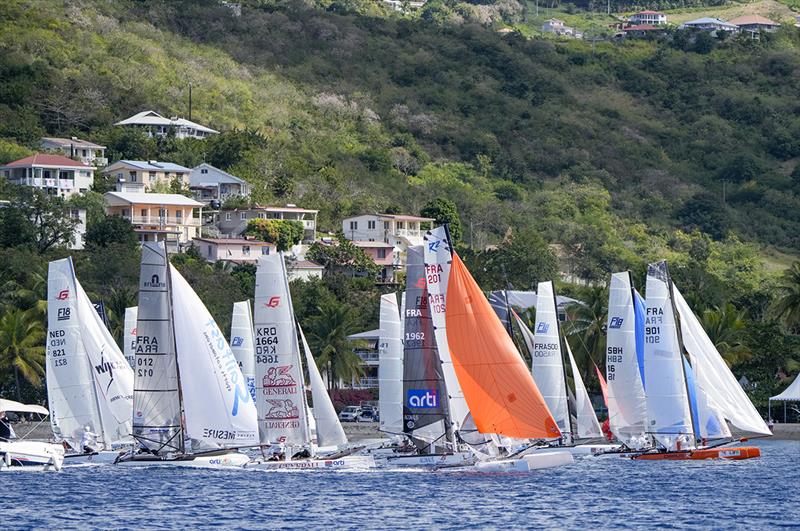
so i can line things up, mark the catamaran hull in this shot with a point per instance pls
(528, 463)
(103, 457)
(341, 463)
(737, 453)
(581, 450)
(431, 460)
(231, 460)
(31, 455)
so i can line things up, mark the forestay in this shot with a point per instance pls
(280, 393)
(667, 398)
(713, 375)
(129, 339)
(217, 404)
(627, 404)
(242, 343)
(390, 366)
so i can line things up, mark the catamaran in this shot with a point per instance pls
(490, 387)
(549, 348)
(690, 391)
(89, 382)
(22, 454)
(191, 403)
(283, 413)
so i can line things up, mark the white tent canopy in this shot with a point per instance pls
(17, 407)
(791, 393)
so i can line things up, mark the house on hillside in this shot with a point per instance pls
(235, 250)
(55, 174)
(366, 348)
(398, 230)
(212, 184)
(653, 18)
(156, 125)
(754, 24)
(145, 175)
(87, 152)
(232, 223)
(303, 270)
(641, 31)
(709, 24)
(172, 218)
(558, 27)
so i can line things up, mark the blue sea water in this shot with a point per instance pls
(591, 494)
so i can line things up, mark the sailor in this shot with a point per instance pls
(88, 440)
(5, 427)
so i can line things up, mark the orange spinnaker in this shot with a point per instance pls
(498, 387)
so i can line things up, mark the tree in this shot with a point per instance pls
(443, 211)
(282, 232)
(787, 303)
(523, 260)
(585, 325)
(706, 212)
(22, 335)
(328, 331)
(726, 326)
(342, 256)
(109, 230)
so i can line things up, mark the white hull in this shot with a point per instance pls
(430, 460)
(230, 460)
(536, 461)
(103, 457)
(31, 455)
(341, 463)
(581, 450)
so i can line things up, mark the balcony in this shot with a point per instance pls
(163, 221)
(369, 357)
(408, 233)
(366, 382)
(41, 182)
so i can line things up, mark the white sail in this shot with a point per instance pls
(280, 393)
(713, 375)
(129, 335)
(667, 396)
(547, 362)
(402, 313)
(437, 274)
(70, 387)
(587, 425)
(329, 429)
(112, 375)
(390, 366)
(627, 404)
(217, 405)
(712, 423)
(242, 343)
(156, 399)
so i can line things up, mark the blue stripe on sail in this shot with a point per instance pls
(638, 313)
(692, 391)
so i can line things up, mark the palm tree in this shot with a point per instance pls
(120, 299)
(787, 305)
(586, 326)
(328, 332)
(31, 292)
(22, 337)
(725, 326)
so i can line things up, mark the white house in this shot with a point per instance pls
(232, 223)
(557, 27)
(654, 18)
(754, 23)
(303, 270)
(87, 152)
(709, 24)
(55, 174)
(209, 183)
(144, 175)
(398, 230)
(156, 125)
(236, 250)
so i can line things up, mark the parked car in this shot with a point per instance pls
(367, 415)
(350, 414)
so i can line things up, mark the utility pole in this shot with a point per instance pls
(190, 101)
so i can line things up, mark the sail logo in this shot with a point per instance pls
(155, 282)
(616, 322)
(420, 283)
(273, 302)
(279, 381)
(63, 295)
(282, 410)
(422, 398)
(434, 246)
(63, 314)
(237, 341)
(106, 367)
(542, 328)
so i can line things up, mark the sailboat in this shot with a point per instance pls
(690, 391)
(89, 382)
(548, 350)
(283, 413)
(129, 335)
(424, 396)
(191, 403)
(494, 390)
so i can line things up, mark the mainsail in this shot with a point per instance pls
(242, 343)
(627, 404)
(390, 366)
(547, 360)
(280, 393)
(668, 404)
(329, 430)
(129, 335)
(424, 395)
(88, 380)
(500, 391)
(217, 405)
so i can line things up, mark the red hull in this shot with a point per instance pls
(739, 452)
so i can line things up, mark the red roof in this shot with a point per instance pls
(641, 27)
(41, 159)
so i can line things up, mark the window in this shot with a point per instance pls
(132, 176)
(228, 216)
(120, 175)
(152, 176)
(243, 216)
(144, 212)
(246, 250)
(204, 171)
(84, 152)
(261, 215)
(178, 214)
(162, 212)
(385, 225)
(209, 250)
(371, 224)
(265, 249)
(381, 253)
(354, 225)
(400, 225)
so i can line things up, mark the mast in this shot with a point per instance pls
(561, 340)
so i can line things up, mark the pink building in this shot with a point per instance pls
(383, 254)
